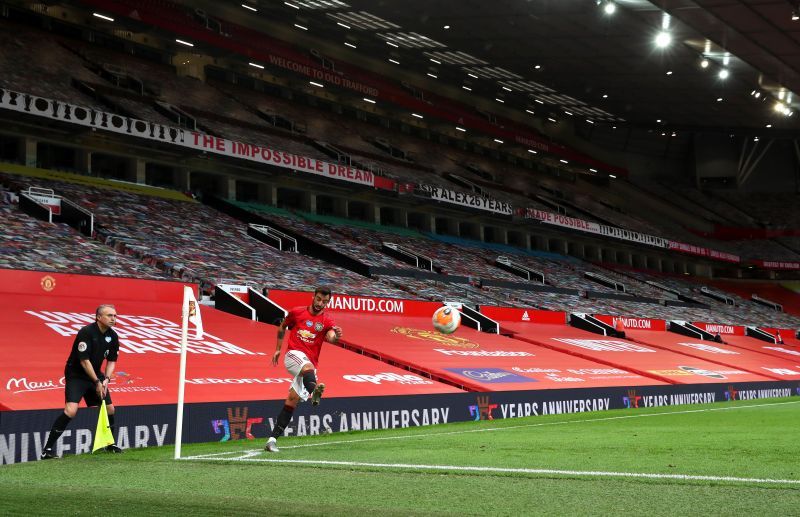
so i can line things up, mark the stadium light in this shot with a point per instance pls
(461, 129)
(609, 7)
(704, 63)
(103, 17)
(256, 65)
(432, 75)
(347, 43)
(417, 115)
(724, 74)
(532, 151)
(663, 39)
(184, 43)
(394, 61)
(367, 99)
(391, 44)
(318, 85)
(501, 101)
(498, 141)
(467, 88)
(340, 24)
(292, 6)
(250, 7)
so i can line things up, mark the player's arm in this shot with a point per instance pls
(279, 344)
(334, 334)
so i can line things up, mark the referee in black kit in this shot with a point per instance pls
(83, 379)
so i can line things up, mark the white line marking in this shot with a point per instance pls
(592, 473)
(488, 429)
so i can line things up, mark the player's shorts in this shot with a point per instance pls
(294, 360)
(77, 388)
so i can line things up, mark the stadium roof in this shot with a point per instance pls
(569, 58)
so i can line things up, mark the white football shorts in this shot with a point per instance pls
(294, 360)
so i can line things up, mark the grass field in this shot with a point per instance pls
(722, 459)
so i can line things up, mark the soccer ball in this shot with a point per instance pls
(446, 319)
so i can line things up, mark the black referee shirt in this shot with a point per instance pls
(93, 345)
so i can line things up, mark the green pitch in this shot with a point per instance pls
(722, 459)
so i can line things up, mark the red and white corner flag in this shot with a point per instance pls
(191, 311)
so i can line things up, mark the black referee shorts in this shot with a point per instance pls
(77, 389)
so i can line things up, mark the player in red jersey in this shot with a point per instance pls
(308, 328)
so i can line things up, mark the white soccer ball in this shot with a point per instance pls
(446, 319)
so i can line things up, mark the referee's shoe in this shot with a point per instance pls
(112, 449)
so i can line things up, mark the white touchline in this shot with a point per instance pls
(593, 473)
(489, 429)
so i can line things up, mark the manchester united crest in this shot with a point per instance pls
(431, 335)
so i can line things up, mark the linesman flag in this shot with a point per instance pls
(191, 311)
(102, 434)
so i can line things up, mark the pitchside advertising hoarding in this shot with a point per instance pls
(23, 433)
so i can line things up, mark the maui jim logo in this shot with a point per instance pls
(23, 385)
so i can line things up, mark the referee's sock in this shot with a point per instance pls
(59, 426)
(309, 381)
(283, 420)
(111, 426)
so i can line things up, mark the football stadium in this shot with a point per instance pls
(412, 258)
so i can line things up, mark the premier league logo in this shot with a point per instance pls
(318, 327)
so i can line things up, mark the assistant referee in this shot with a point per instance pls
(83, 380)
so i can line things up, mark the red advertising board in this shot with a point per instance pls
(658, 363)
(476, 360)
(723, 354)
(230, 362)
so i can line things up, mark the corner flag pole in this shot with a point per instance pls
(182, 374)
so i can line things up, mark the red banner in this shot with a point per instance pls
(633, 323)
(524, 315)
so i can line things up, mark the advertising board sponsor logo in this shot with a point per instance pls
(438, 337)
(379, 378)
(709, 348)
(237, 380)
(483, 353)
(483, 409)
(782, 350)
(632, 400)
(720, 329)
(490, 375)
(237, 426)
(604, 345)
(731, 393)
(140, 334)
(360, 304)
(703, 372)
(17, 385)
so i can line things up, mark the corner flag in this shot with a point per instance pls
(189, 314)
(191, 311)
(102, 434)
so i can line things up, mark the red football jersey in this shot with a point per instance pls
(307, 332)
